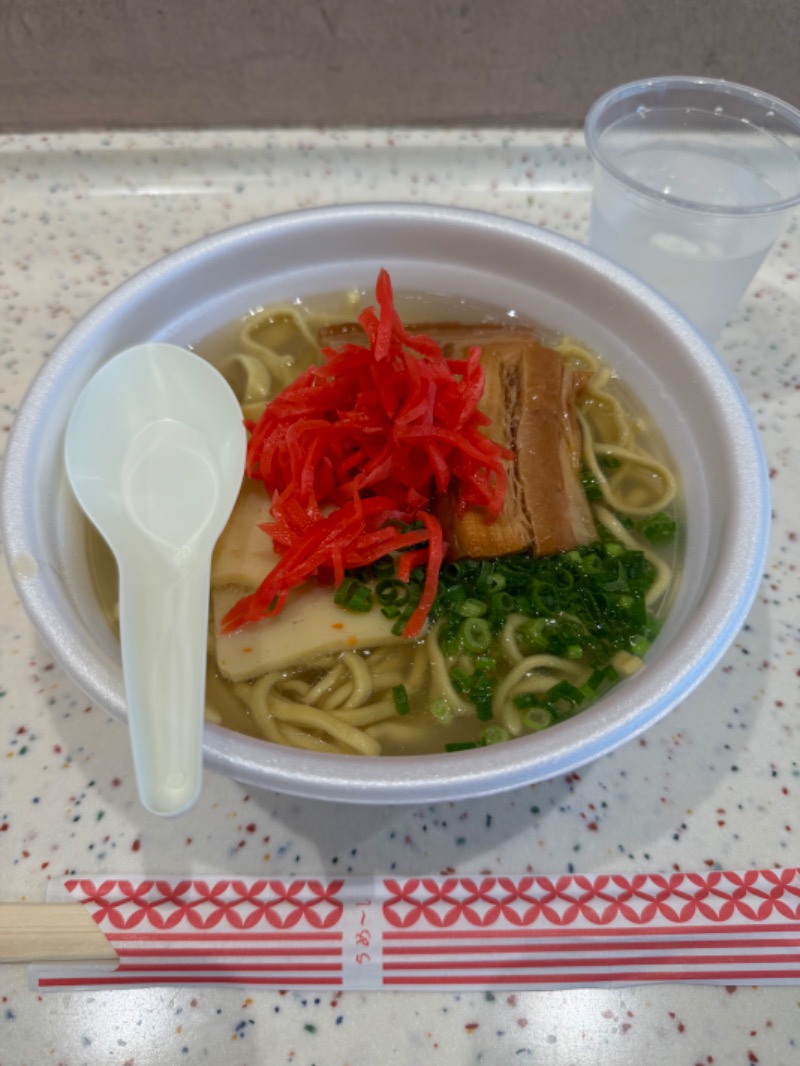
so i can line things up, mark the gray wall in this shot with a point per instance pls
(108, 63)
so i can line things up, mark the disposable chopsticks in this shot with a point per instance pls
(51, 932)
(453, 932)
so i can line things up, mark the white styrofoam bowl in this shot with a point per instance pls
(511, 264)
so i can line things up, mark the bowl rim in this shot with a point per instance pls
(427, 778)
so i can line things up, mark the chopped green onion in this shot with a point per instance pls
(495, 734)
(601, 676)
(441, 711)
(472, 608)
(484, 577)
(609, 462)
(476, 635)
(392, 592)
(568, 691)
(462, 745)
(532, 633)
(639, 645)
(383, 567)
(658, 528)
(450, 645)
(400, 697)
(353, 596)
(564, 692)
(564, 578)
(544, 595)
(460, 679)
(525, 699)
(483, 704)
(615, 579)
(360, 601)
(537, 718)
(501, 603)
(591, 489)
(486, 663)
(341, 594)
(596, 680)
(584, 605)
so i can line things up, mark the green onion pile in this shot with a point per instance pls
(584, 605)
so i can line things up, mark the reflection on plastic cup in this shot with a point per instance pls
(694, 179)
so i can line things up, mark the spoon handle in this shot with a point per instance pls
(164, 633)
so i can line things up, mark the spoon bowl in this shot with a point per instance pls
(154, 452)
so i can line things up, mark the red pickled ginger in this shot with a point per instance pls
(355, 450)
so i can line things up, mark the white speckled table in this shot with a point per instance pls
(714, 785)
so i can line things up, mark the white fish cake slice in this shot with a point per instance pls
(310, 624)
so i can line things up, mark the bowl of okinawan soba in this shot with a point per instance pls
(501, 508)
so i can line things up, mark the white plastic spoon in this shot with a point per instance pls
(155, 454)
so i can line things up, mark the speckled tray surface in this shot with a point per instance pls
(715, 785)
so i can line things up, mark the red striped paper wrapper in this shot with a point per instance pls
(447, 933)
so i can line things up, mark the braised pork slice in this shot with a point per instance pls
(510, 532)
(548, 452)
(530, 397)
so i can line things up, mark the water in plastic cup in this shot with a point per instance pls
(694, 179)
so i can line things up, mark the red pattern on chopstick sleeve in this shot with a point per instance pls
(447, 933)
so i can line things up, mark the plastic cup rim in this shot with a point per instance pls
(728, 88)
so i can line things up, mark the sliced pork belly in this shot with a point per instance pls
(548, 452)
(510, 532)
(530, 397)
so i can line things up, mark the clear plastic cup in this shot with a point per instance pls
(694, 179)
